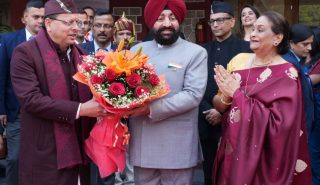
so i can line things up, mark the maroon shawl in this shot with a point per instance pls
(68, 148)
(264, 136)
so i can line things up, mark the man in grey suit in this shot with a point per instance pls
(164, 147)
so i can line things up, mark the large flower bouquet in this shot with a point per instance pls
(120, 81)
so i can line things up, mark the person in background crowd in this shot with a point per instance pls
(91, 13)
(102, 31)
(164, 147)
(248, 15)
(315, 51)
(314, 138)
(300, 41)
(220, 52)
(3, 29)
(85, 27)
(262, 142)
(55, 109)
(9, 105)
(124, 29)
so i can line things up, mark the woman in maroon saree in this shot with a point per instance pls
(264, 134)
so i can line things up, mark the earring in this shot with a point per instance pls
(276, 43)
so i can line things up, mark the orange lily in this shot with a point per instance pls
(123, 61)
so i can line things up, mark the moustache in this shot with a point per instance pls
(102, 34)
(166, 28)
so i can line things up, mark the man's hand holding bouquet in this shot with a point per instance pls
(120, 81)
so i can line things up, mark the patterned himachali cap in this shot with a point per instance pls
(59, 7)
(124, 23)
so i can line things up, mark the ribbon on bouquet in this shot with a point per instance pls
(106, 145)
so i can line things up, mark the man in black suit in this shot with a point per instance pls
(220, 52)
(9, 106)
(102, 31)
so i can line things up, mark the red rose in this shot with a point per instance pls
(153, 79)
(96, 79)
(110, 75)
(141, 90)
(117, 88)
(134, 80)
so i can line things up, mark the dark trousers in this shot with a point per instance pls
(314, 148)
(209, 149)
(13, 144)
(97, 180)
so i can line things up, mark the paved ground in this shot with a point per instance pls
(197, 178)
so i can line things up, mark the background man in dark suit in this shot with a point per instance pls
(220, 52)
(9, 106)
(102, 31)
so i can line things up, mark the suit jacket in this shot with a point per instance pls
(88, 47)
(9, 104)
(218, 53)
(307, 91)
(38, 152)
(168, 138)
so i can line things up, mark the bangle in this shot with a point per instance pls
(222, 101)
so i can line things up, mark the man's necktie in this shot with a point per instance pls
(31, 37)
(103, 49)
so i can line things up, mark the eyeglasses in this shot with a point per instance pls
(218, 21)
(104, 26)
(69, 23)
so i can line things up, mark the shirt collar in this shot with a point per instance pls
(96, 47)
(84, 41)
(28, 34)
(298, 58)
(230, 38)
